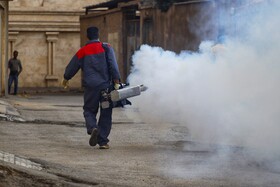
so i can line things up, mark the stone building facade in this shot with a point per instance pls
(47, 34)
(4, 8)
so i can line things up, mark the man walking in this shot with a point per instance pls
(98, 63)
(15, 67)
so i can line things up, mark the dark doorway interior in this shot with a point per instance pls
(131, 38)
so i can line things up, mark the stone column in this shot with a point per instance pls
(4, 8)
(12, 41)
(51, 78)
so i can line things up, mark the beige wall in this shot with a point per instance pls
(33, 53)
(34, 60)
(47, 34)
(55, 4)
(67, 43)
(3, 44)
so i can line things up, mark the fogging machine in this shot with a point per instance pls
(114, 97)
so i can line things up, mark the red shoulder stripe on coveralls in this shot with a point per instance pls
(90, 49)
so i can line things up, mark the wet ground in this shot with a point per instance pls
(50, 148)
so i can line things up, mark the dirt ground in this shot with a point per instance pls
(53, 138)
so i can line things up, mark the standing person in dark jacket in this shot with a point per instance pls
(98, 63)
(15, 67)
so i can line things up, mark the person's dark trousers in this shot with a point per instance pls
(13, 77)
(92, 97)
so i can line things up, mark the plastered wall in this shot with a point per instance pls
(47, 35)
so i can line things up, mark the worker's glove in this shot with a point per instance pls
(117, 86)
(65, 83)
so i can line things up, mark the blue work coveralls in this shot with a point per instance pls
(98, 63)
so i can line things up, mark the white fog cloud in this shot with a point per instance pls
(231, 97)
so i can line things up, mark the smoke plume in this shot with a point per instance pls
(228, 95)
